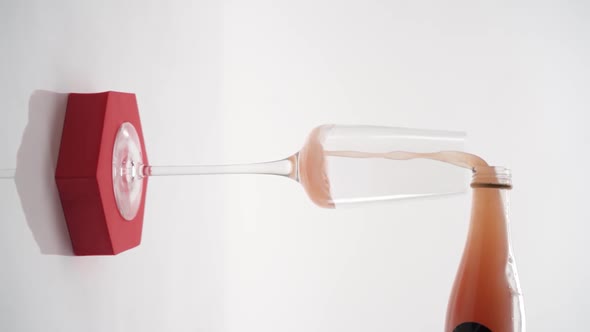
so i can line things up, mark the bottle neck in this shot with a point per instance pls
(490, 207)
(486, 289)
(491, 177)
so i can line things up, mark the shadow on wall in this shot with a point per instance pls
(35, 172)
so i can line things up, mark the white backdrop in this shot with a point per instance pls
(240, 81)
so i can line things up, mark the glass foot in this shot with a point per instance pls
(127, 171)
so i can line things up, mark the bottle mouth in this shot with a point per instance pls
(491, 177)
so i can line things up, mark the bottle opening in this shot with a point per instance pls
(491, 177)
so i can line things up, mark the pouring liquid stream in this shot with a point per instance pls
(313, 164)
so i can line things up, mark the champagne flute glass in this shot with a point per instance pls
(337, 166)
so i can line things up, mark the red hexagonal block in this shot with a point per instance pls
(84, 173)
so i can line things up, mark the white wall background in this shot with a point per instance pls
(239, 81)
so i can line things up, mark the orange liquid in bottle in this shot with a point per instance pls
(486, 294)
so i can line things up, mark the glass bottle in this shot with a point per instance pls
(486, 295)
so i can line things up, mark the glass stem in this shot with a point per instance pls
(285, 167)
